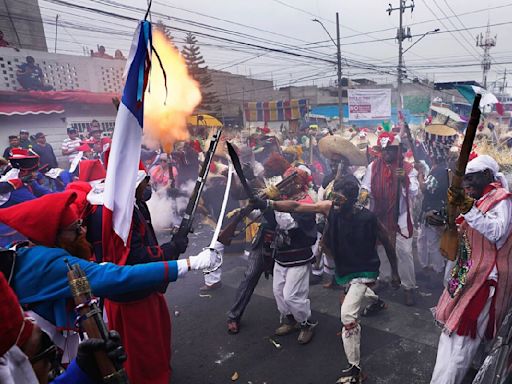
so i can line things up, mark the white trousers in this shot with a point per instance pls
(405, 262)
(318, 266)
(429, 254)
(455, 353)
(351, 332)
(329, 266)
(291, 290)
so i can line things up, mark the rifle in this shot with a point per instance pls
(91, 321)
(171, 172)
(411, 142)
(450, 239)
(188, 218)
(228, 233)
(398, 194)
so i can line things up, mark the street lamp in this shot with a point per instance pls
(326, 31)
(338, 57)
(422, 36)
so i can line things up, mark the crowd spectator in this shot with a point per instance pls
(101, 53)
(95, 130)
(25, 140)
(70, 144)
(3, 42)
(30, 76)
(47, 159)
(14, 142)
(118, 55)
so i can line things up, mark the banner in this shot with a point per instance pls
(283, 110)
(369, 104)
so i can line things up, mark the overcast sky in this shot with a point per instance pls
(288, 25)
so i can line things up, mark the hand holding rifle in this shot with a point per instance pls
(450, 239)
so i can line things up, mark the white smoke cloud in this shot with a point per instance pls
(166, 212)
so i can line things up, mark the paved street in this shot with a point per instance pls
(398, 344)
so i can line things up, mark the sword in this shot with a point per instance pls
(238, 169)
(218, 261)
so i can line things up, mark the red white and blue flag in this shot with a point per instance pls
(124, 157)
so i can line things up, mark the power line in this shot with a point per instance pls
(454, 26)
(430, 20)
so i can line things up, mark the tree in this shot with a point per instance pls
(199, 72)
(160, 26)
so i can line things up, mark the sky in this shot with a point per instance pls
(235, 35)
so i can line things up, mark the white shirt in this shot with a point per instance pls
(495, 225)
(69, 145)
(414, 187)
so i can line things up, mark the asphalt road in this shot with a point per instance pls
(398, 344)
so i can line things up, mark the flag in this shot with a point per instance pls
(488, 99)
(124, 156)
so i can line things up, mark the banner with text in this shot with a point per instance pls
(369, 104)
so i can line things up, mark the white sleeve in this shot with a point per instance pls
(182, 267)
(495, 225)
(367, 179)
(285, 221)
(414, 185)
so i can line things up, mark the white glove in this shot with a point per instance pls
(219, 247)
(207, 259)
(203, 260)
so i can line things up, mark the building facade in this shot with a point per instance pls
(22, 25)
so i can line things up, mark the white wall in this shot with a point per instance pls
(64, 72)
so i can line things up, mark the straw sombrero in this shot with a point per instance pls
(364, 139)
(439, 139)
(330, 146)
(440, 130)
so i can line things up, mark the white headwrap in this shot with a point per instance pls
(483, 162)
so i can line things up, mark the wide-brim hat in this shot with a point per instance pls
(364, 139)
(24, 159)
(333, 145)
(440, 130)
(439, 138)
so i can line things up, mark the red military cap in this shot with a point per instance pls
(40, 220)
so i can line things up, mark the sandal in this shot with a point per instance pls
(233, 327)
(374, 308)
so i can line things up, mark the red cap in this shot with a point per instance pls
(90, 170)
(82, 189)
(14, 329)
(84, 148)
(24, 159)
(60, 211)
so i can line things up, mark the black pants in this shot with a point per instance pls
(258, 264)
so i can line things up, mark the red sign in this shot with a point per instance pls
(361, 108)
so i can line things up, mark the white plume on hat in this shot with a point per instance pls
(483, 162)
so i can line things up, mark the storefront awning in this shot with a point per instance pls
(7, 109)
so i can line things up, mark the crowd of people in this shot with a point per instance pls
(342, 208)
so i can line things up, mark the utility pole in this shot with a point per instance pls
(486, 44)
(338, 64)
(338, 57)
(56, 25)
(401, 35)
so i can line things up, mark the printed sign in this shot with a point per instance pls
(369, 104)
